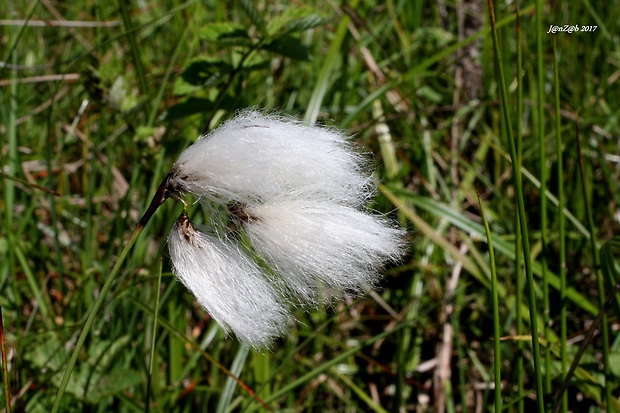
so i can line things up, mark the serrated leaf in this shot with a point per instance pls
(225, 33)
(288, 46)
(302, 23)
(205, 70)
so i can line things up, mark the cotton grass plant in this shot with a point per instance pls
(397, 75)
(298, 194)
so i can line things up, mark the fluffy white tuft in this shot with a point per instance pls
(321, 247)
(230, 286)
(298, 192)
(256, 158)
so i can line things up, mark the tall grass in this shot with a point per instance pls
(97, 103)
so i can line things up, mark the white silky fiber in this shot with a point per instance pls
(322, 248)
(296, 195)
(230, 286)
(256, 158)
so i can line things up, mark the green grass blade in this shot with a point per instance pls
(229, 386)
(359, 392)
(600, 282)
(5, 366)
(518, 260)
(149, 382)
(329, 64)
(327, 365)
(92, 313)
(457, 219)
(497, 362)
(516, 172)
(164, 82)
(135, 52)
(542, 171)
(561, 223)
(609, 271)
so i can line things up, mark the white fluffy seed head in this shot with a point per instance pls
(321, 248)
(298, 193)
(228, 284)
(257, 158)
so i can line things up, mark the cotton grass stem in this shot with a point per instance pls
(561, 222)
(496, 324)
(92, 313)
(160, 197)
(516, 173)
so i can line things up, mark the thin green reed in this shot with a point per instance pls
(561, 221)
(135, 51)
(8, 110)
(518, 248)
(542, 162)
(516, 172)
(600, 282)
(5, 368)
(92, 313)
(149, 382)
(497, 370)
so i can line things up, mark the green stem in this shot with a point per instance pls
(518, 250)
(135, 51)
(330, 60)
(5, 367)
(91, 316)
(562, 222)
(543, 189)
(164, 191)
(600, 283)
(496, 325)
(516, 172)
(147, 403)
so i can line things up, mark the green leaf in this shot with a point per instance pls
(188, 107)
(183, 88)
(206, 71)
(288, 46)
(256, 66)
(302, 23)
(614, 363)
(225, 33)
(110, 383)
(195, 105)
(93, 380)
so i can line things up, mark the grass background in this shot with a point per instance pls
(97, 99)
